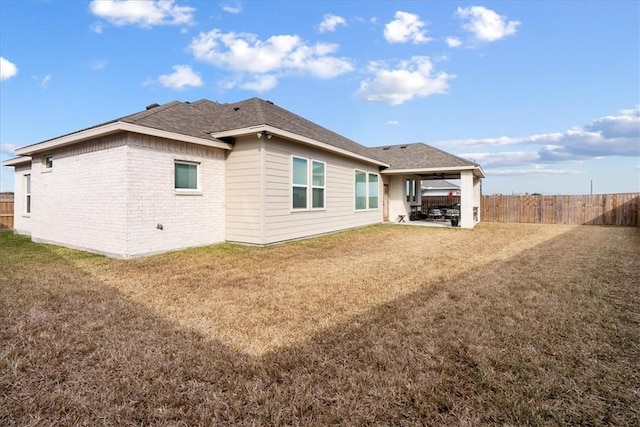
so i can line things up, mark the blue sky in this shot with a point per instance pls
(544, 95)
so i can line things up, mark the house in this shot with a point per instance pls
(439, 187)
(187, 174)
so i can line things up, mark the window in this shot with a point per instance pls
(367, 190)
(410, 190)
(317, 184)
(305, 172)
(361, 190)
(373, 191)
(27, 192)
(407, 189)
(186, 176)
(48, 162)
(300, 180)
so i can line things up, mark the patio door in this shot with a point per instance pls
(385, 202)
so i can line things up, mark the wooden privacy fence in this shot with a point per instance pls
(6, 211)
(431, 201)
(597, 209)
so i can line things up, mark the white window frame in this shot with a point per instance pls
(322, 187)
(298, 185)
(411, 190)
(47, 163)
(367, 183)
(187, 190)
(355, 191)
(369, 195)
(309, 186)
(27, 193)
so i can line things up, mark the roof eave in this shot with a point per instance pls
(477, 170)
(17, 161)
(112, 128)
(296, 137)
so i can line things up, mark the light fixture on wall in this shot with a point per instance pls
(264, 133)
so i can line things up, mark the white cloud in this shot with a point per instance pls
(409, 79)
(45, 81)
(536, 171)
(181, 77)
(97, 27)
(485, 24)
(99, 64)
(503, 141)
(625, 125)
(393, 123)
(608, 136)
(453, 42)
(7, 69)
(331, 22)
(326, 67)
(406, 27)
(8, 148)
(501, 159)
(261, 84)
(146, 14)
(233, 8)
(252, 59)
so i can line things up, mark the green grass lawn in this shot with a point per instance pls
(506, 324)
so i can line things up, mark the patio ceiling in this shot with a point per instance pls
(436, 173)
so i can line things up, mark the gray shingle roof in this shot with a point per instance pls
(203, 117)
(193, 119)
(418, 156)
(438, 184)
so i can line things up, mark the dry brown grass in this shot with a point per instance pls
(505, 325)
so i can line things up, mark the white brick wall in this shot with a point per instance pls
(81, 201)
(466, 199)
(109, 195)
(186, 220)
(398, 204)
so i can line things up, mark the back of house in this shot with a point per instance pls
(185, 174)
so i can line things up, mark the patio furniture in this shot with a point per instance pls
(416, 213)
(435, 214)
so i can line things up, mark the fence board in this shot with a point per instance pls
(6, 211)
(597, 209)
(431, 201)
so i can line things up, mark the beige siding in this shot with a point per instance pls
(244, 195)
(281, 223)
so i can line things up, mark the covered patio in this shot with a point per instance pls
(413, 163)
